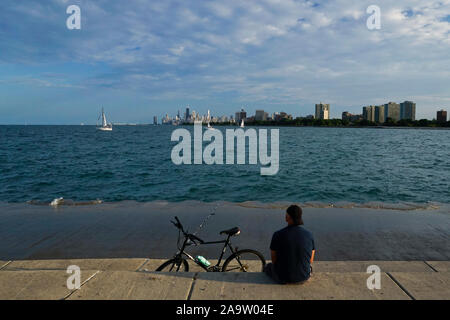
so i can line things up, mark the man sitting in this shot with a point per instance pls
(292, 249)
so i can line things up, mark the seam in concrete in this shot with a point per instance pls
(194, 279)
(38, 269)
(3, 266)
(84, 282)
(400, 286)
(143, 264)
(430, 266)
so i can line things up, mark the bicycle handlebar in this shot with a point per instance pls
(178, 224)
(191, 237)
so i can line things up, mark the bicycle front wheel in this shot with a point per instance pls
(174, 265)
(246, 260)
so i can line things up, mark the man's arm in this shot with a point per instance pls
(313, 253)
(274, 256)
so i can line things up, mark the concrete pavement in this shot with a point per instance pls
(129, 229)
(135, 279)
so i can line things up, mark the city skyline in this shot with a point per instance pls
(369, 112)
(405, 110)
(140, 59)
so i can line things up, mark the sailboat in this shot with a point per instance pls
(105, 126)
(210, 127)
(242, 123)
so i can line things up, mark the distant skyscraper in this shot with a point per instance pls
(186, 116)
(369, 113)
(240, 115)
(322, 111)
(260, 115)
(441, 116)
(408, 110)
(155, 120)
(379, 114)
(392, 110)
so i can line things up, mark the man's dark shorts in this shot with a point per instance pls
(269, 269)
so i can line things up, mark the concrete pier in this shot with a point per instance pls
(129, 229)
(104, 279)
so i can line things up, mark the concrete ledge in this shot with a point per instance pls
(84, 264)
(425, 286)
(149, 265)
(128, 279)
(36, 285)
(440, 266)
(153, 264)
(328, 266)
(322, 286)
(361, 266)
(124, 285)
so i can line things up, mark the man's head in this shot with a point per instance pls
(294, 215)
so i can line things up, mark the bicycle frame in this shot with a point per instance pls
(187, 242)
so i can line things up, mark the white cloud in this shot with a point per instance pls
(177, 51)
(275, 50)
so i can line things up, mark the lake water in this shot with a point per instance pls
(326, 165)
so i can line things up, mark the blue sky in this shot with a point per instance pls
(141, 58)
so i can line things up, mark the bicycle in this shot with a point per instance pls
(235, 262)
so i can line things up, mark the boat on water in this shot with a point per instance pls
(210, 127)
(105, 125)
(242, 123)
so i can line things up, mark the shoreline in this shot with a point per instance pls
(234, 126)
(131, 229)
(376, 205)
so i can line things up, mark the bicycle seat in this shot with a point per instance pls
(231, 232)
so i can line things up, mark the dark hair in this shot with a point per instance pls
(295, 212)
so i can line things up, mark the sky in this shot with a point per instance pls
(141, 58)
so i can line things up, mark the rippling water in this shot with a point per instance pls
(133, 163)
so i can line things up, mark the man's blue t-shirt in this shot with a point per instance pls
(293, 246)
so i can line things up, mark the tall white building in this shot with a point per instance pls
(322, 111)
(369, 113)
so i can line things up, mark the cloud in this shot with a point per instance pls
(266, 52)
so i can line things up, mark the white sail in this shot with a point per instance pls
(104, 123)
(210, 127)
(242, 123)
(105, 126)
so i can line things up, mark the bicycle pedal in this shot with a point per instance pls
(214, 269)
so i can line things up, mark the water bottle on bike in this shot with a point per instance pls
(202, 260)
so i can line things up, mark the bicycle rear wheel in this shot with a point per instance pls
(246, 260)
(174, 265)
